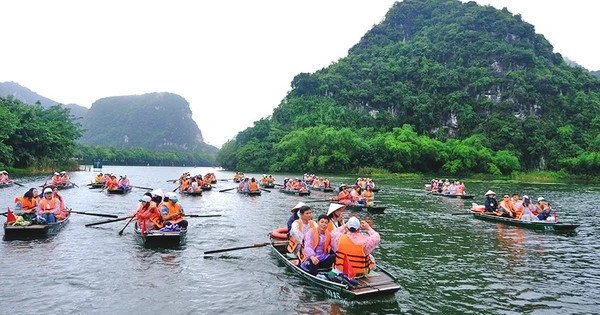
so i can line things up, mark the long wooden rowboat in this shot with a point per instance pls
(532, 225)
(96, 185)
(61, 186)
(377, 283)
(454, 196)
(267, 185)
(118, 191)
(373, 209)
(191, 193)
(158, 239)
(250, 193)
(6, 185)
(323, 189)
(295, 192)
(33, 231)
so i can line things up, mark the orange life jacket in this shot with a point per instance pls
(26, 204)
(253, 186)
(154, 214)
(327, 247)
(48, 205)
(359, 260)
(292, 242)
(174, 209)
(368, 195)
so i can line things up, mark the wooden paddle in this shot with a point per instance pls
(140, 187)
(265, 190)
(202, 215)
(323, 200)
(108, 221)
(172, 180)
(123, 229)
(175, 188)
(74, 184)
(95, 214)
(237, 248)
(18, 184)
(228, 189)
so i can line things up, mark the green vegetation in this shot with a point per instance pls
(87, 154)
(32, 136)
(439, 86)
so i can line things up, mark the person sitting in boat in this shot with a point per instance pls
(451, 189)
(543, 209)
(4, 179)
(316, 252)
(368, 196)
(491, 205)
(64, 178)
(172, 211)
(26, 205)
(294, 216)
(112, 183)
(157, 197)
(460, 188)
(326, 183)
(355, 195)
(528, 210)
(335, 213)
(56, 179)
(123, 183)
(299, 227)
(316, 182)
(252, 185)
(343, 196)
(62, 210)
(360, 182)
(147, 214)
(48, 206)
(506, 207)
(99, 178)
(350, 244)
(517, 206)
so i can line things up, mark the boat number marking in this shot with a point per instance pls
(335, 295)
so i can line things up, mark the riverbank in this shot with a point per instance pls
(70, 166)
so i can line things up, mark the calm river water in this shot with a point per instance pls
(446, 264)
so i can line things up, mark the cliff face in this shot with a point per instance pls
(156, 121)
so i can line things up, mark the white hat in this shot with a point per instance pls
(489, 192)
(525, 197)
(56, 173)
(353, 223)
(124, 176)
(333, 207)
(47, 190)
(158, 192)
(63, 172)
(171, 195)
(540, 199)
(297, 206)
(145, 198)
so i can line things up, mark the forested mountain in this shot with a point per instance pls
(437, 86)
(156, 121)
(596, 73)
(27, 96)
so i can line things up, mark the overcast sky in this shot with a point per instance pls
(233, 61)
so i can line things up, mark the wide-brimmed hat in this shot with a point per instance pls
(333, 207)
(540, 199)
(158, 192)
(489, 192)
(298, 206)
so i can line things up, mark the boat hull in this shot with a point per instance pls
(532, 225)
(191, 193)
(267, 185)
(295, 192)
(378, 283)
(454, 196)
(118, 191)
(323, 189)
(373, 209)
(157, 239)
(34, 231)
(6, 185)
(250, 193)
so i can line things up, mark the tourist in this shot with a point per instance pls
(317, 253)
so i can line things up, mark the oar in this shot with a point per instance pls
(95, 214)
(236, 248)
(278, 185)
(108, 221)
(172, 180)
(74, 184)
(202, 215)
(18, 184)
(323, 200)
(265, 190)
(461, 213)
(228, 189)
(123, 229)
(174, 190)
(140, 187)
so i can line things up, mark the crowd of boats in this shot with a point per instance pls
(332, 251)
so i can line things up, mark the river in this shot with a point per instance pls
(445, 263)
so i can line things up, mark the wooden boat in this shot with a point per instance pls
(6, 185)
(373, 209)
(190, 193)
(377, 283)
(206, 187)
(250, 193)
(323, 189)
(453, 196)
(118, 191)
(295, 192)
(158, 239)
(532, 225)
(33, 231)
(61, 186)
(268, 185)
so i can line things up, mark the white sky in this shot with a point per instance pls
(233, 61)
